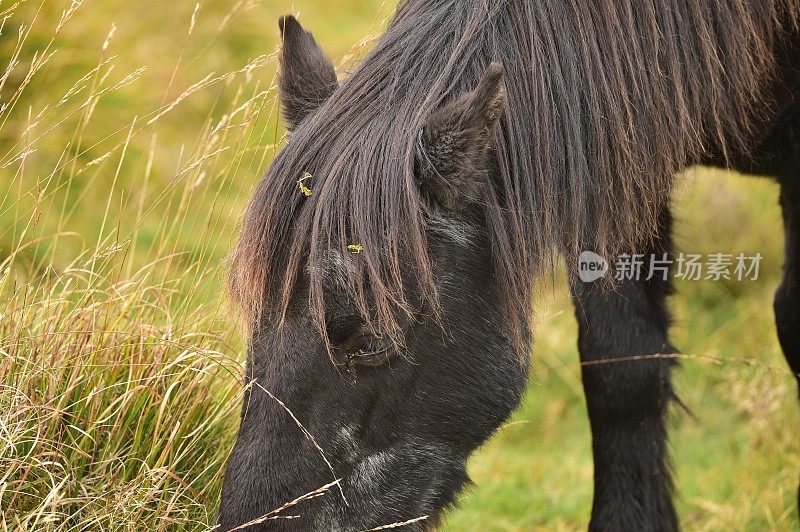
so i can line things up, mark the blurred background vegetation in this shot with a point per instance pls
(131, 134)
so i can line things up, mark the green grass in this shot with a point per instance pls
(736, 462)
(126, 159)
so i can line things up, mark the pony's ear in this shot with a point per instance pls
(307, 77)
(453, 155)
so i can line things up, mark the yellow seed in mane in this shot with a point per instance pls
(355, 248)
(304, 189)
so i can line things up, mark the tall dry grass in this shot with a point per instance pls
(113, 409)
(118, 369)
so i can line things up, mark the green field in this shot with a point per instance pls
(131, 134)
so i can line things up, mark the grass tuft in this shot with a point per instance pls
(111, 408)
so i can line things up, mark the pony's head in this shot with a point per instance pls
(383, 348)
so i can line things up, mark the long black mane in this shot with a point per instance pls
(607, 100)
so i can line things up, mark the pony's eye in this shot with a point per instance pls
(356, 345)
(342, 330)
(373, 352)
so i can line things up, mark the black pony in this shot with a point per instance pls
(387, 259)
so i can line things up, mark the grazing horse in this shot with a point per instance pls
(387, 260)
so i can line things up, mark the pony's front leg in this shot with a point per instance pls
(623, 329)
